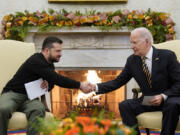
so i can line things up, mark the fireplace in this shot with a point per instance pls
(67, 100)
(84, 49)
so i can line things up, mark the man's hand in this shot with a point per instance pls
(87, 87)
(157, 100)
(45, 85)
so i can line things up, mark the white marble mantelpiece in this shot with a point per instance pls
(84, 37)
(88, 46)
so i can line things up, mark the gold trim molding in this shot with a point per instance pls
(56, 1)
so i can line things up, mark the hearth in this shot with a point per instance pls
(64, 100)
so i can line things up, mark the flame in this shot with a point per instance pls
(92, 77)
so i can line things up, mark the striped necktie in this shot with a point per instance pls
(146, 71)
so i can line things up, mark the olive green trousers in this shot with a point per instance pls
(11, 102)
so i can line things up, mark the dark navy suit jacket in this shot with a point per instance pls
(165, 75)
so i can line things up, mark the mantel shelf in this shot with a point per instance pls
(87, 46)
(81, 29)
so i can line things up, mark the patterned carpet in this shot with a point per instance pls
(19, 132)
(23, 132)
(152, 132)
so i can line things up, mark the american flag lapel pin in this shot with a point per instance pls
(156, 59)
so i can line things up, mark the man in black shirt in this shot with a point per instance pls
(39, 65)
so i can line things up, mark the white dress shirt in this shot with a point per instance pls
(148, 59)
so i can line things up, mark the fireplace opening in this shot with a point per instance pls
(64, 100)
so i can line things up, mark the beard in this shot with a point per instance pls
(53, 59)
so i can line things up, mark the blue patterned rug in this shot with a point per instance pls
(23, 132)
(18, 132)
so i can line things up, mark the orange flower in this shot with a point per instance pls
(7, 34)
(96, 18)
(150, 22)
(44, 20)
(68, 23)
(45, 15)
(106, 122)
(67, 121)
(104, 21)
(33, 19)
(90, 129)
(130, 16)
(139, 16)
(51, 18)
(8, 25)
(19, 23)
(56, 132)
(90, 19)
(147, 17)
(24, 18)
(163, 16)
(60, 23)
(133, 12)
(102, 131)
(76, 20)
(7, 18)
(109, 23)
(83, 19)
(171, 30)
(98, 23)
(72, 131)
(85, 121)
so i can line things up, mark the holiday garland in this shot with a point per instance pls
(16, 26)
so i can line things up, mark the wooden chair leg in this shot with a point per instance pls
(147, 131)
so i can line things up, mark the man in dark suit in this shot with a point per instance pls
(157, 72)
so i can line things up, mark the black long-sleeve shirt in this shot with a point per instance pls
(36, 67)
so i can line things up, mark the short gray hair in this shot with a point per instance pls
(145, 33)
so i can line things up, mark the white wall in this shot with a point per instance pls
(169, 6)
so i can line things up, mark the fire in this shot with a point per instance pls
(90, 98)
(92, 77)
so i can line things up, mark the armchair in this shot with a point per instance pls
(12, 55)
(153, 120)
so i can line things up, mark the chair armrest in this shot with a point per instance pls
(136, 91)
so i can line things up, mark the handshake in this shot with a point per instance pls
(87, 87)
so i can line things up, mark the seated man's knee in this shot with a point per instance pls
(4, 110)
(40, 110)
(35, 109)
(171, 105)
